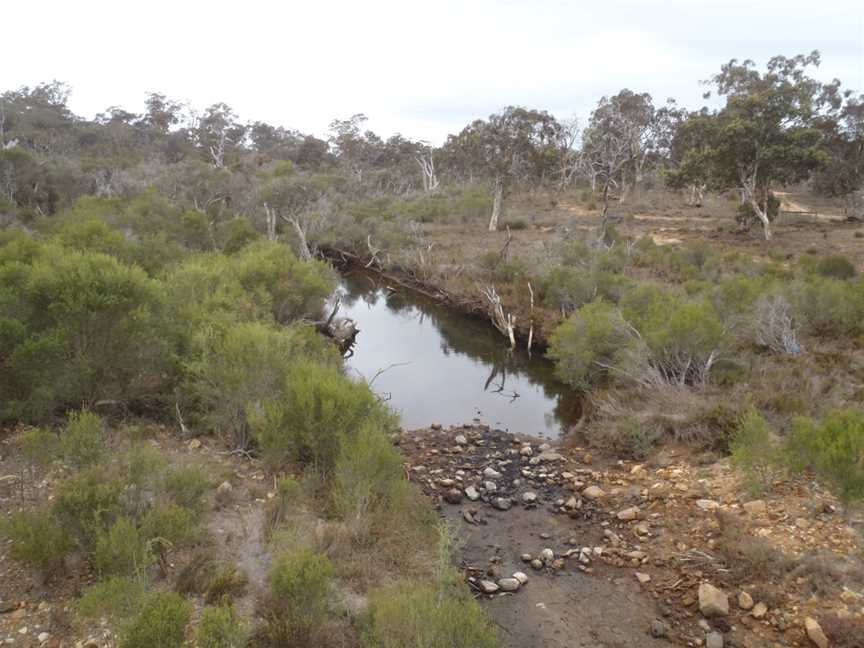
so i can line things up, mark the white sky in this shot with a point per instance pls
(424, 69)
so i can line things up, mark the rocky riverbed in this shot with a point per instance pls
(569, 549)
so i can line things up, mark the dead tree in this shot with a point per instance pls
(342, 330)
(427, 167)
(505, 323)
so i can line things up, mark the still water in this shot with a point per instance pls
(442, 367)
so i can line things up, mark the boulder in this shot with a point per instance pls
(491, 473)
(453, 496)
(521, 577)
(472, 494)
(628, 514)
(529, 497)
(593, 492)
(714, 640)
(713, 602)
(756, 507)
(488, 587)
(509, 584)
(502, 503)
(815, 632)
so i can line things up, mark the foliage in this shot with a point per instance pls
(220, 627)
(755, 452)
(828, 307)
(117, 597)
(187, 485)
(297, 603)
(833, 448)
(588, 343)
(319, 409)
(170, 527)
(82, 443)
(88, 503)
(160, 624)
(37, 539)
(121, 550)
(628, 437)
(836, 266)
(426, 616)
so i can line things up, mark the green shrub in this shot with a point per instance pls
(836, 266)
(38, 446)
(754, 451)
(143, 473)
(501, 269)
(318, 410)
(627, 437)
(37, 539)
(423, 616)
(160, 624)
(170, 527)
(220, 627)
(88, 503)
(121, 550)
(116, 597)
(82, 443)
(567, 289)
(297, 603)
(369, 475)
(187, 485)
(225, 583)
(829, 307)
(588, 343)
(833, 448)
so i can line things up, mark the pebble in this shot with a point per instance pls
(547, 555)
(756, 507)
(502, 503)
(714, 640)
(529, 497)
(521, 577)
(815, 633)
(488, 587)
(509, 584)
(550, 455)
(453, 496)
(759, 610)
(527, 558)
(491, 473)
(461, 440)
(472, 494)
(745, 601)
(643, 577)
(594, 492)
(43, 637)
(659, 629)
(490, 486)
(628, 514)
(713, 602)
(707, 504)
(537, 564)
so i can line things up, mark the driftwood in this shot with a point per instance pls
(342, 330)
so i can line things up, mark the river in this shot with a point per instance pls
(438, 366)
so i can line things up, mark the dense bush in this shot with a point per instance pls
(82, 443)
(835, 266)
(755, 452)
(161, 623)
(319, 409)
(37, 540)
(78, 327)
(829, 307)
(298, 599)
(423, 616)
(119, 598)
(833, 448)
(87, 504)
(121, 550)
(220, 627)
(567, 289)
(588, 343)
(186, 484)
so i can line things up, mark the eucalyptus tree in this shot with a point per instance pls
(515, 146)
(766, 135)
(843, 173)
(218, 133)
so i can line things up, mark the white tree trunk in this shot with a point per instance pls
(270, 217)
(305, 252)
(497, 200)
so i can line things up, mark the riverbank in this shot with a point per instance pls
(619, 553)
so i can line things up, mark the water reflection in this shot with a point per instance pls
(438, 366)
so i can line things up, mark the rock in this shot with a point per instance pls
(759, 610)
(453, 496)
(7, 606)
(628, 514)
(593, 492)
(643, 528)
(224, 492)
(537, 563)
(468, 517)
(435, 426)
(194, 444)
(491, 473)
(643, 578)
(472, 494)
(488, 587)
(545, 536)
(529, 497)
(756, 507)
(502, 503)
(714, 640)
(461, 440)
(815, 633)
(526, 451)
(490, 487)
(509, 584)
(745, 601)
(659, 629)
(550, 455)
(521, 577)
(527, 558)
(547, 556)
(713, 602)
(707, 505)
(43, 637)
(571, 503)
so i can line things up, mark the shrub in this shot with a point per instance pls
(627, 437)
(567, 288)
(116, 597)
(836, 266)
(829, 307)
(38, 446)
(160, 624)
(412, 614)
(318, 410)
(37, 539)
(143, 473)
(82, 443)
(220, 627)
(121, 550)
(748, 557)
(87, 503)
(170, 527)
(297, 603)
(754, 451)
(187, 485)
(225, 582)
(589, 342)
(833, 449)
(844, 632)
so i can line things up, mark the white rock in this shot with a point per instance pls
(713, 601)
(491, 473)
(745, 601)
(502, 503)
(509, 584)
(461, 440)
(643, 577)
(472, 494)
(707, 504)
(628, 514)
(521, 577)
(490, 486)
(529, 497)
(44, 636)
(815, 633)
(594, 492)
(550, 455)
(547, 555)
(714, 640)
(488, 587)
(759, 610)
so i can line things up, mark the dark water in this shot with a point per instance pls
(449, 368)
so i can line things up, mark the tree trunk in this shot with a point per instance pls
(305, 252)
(604, 219)
(762, 214)
(270, 215)
(497, 200)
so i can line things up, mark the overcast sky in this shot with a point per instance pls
(424, 69)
